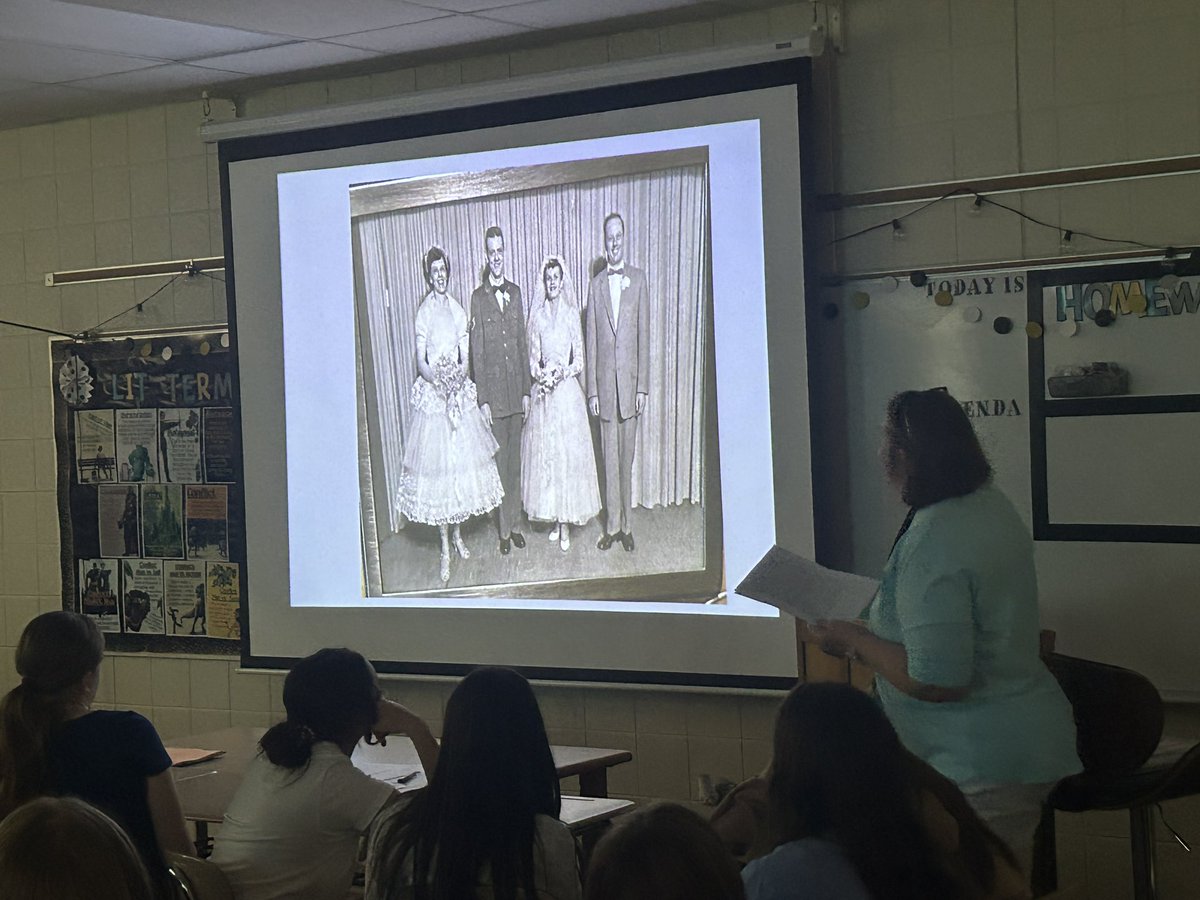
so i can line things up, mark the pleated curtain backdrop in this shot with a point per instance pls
(666, 235)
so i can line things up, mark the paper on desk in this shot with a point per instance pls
(189, 756)
(405, 776)
(805, 589)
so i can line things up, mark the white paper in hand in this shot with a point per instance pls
(805, 589)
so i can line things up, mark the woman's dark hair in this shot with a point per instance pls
(840, 773)
(56, 651)
(662, 852)
(63, 848)
(930, 448)
(332, 695)
(435, 253)
(494, 775)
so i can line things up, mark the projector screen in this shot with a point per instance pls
(649, 236)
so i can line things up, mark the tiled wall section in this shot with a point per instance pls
(927, 90)
(675, 737)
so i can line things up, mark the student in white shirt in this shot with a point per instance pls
(292, 829)
(487, 828)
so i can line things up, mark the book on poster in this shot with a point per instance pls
(207, 513)
(183, 585)
(142, 596)
(95, 446)
(119, 520)
(179, 445)
(98, 593)
(137, 444)
(224, 590)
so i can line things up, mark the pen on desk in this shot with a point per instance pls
(197, 775)
(405, 779)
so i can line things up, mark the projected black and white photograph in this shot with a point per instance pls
(536, 411)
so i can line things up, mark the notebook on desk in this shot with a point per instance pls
(189, 756)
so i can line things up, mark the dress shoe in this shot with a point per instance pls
(626, 539)
(504, 546)
(518, 540)
(606, 541)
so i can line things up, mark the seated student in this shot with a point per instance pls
(53, 742)
(292, 829)
(487, 827)
(856, 817)
(662, 852)
(62, 848)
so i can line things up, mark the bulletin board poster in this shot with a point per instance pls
(148, 439)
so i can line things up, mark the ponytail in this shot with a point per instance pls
(56, 651)
(331, 695)
(288, 744)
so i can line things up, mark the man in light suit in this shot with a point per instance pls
(500, 366)
(618, 374)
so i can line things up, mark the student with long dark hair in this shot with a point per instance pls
(487, 826)
(292, 829)
(65, 849)
(853, 818)
(953, 633)
(663, 851)
(53, 742)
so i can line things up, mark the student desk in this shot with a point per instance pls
(206, 788)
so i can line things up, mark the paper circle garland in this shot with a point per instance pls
(1002, 324)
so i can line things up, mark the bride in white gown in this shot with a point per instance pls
(558, 464)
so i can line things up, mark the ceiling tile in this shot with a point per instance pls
(471, 6)
(310, 19)
(442, 32)
(160, 80)
(560, 13)
(113, 31)
(46, 65)
(285, 58)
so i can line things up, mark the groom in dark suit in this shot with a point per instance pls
(618, 374)
(500, 366)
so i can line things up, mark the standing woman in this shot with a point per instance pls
(558, 478)
(449, 472)
(53, 742)
(953, 633)
(487, 825)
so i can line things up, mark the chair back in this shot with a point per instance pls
(198, 879)
(1118, 714)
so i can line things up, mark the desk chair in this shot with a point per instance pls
(198, 879)
(1127, 763)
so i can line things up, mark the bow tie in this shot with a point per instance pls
(616, 270)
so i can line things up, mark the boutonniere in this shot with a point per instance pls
(502, 296)
(624, 282)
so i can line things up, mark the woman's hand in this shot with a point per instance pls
(841, 639)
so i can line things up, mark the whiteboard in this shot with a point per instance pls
(1123, 469)
(1128, 604)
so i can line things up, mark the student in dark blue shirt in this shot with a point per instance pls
(53, 742)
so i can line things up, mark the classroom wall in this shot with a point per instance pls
(926, 90)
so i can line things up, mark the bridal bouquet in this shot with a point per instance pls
(450, 380)
(546, 380)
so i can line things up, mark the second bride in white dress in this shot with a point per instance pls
(558, 463)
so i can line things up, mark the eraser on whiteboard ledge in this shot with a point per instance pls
(1099, 379)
